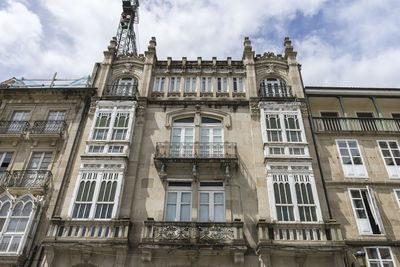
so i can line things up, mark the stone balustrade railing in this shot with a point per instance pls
(193, 232)
(299, 232)
(70, 230)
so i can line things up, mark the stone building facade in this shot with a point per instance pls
(204, 163)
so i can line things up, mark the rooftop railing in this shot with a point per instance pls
(275, 91)
(339, 124)
(48, 127)
(199, 150)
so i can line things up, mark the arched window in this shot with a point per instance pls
(273, 87)
(5, 204)
(124, 87)
(211, 137)
(15, 226)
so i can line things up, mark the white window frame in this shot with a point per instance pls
(178, 190)
(23, 235)
(352, 170)
(174, 84)
(190, 84)
(99, 169)
(159, 84)
(222, 85)
(238, 85)
(392, 170)
(113, 111)
(397, 196)
(211, 191)
(206, 84)
(289, 170)
(372, 203)
(380, 261)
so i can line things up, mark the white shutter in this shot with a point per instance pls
(374, 209)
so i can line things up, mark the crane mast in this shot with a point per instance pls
(126, 38)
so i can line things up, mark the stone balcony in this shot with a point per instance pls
(346, 124)
(299, 234)
(88, 231)
(13, 130)
(48, 128)
(215, 236)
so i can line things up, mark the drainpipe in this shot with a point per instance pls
(316, 148)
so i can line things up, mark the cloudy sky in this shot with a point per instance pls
(339, 43)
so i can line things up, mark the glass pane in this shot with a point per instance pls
(218, 198)
(14, 244)
(383, 144)
(17, 209)
(346, 160)
(171, 212)
(27, 209)
(101, 193)
(358, 204)
(355, 194)
(185, 198)
(21, 225)
(185, 213)
(277, 196)
(372, 253)
(388, 264)
(352, 144)
(204, 198)
(172, 197)
(204, 213)
(219, 213)
(342, 144)
(12, 225)
(361, 214)
(385, 253)
(4, 209)
(354, 152)
(4, 243)
(357, 160)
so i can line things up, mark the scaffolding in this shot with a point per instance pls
(126, 39)
(48, 83)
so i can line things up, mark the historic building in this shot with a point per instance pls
(197, 163)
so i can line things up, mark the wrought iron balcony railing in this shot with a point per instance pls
(194, 233)
(48, 127)
(275, 91)
(121, 90)
(88, 230)
(199, 150)
(339, 124)
(27, 179)
(13, 127)
(299, 232)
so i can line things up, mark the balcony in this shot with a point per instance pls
(48, 128)
(118, 91)
(275, 91)
(38, 180)
(337, 124)
(301, 234)
(221, 236)
(195, 151)
(15, 128)
(88, 231)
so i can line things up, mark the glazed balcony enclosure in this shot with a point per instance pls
(341, 124)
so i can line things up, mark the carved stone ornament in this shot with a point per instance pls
(216, 233)
(270, 68)
(171, 232)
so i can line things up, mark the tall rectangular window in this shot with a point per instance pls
(36, 172)
(293, 130)
(222, 85)
(379, 257)
(292, 194)
(178, 202)
(238, 86)
(391, 155)
(190, 85)
(120, 128)
(175, 84)
(206, 84)
(211, 202)
(101, 126)
(18, 122)
(96, 195)
(273, 128)
(112, 125)
(366, 211)
(351, 159)
(159, 84)
(54, 122)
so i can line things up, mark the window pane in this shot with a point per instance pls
(219, 213)
(385, 253)
(218, 198)
(14, 244)
(4, 243)
(204, 213)
(186, 197)
(185, 213)
(372, 253)
(172, 197)
(204, 198)
(171, 212)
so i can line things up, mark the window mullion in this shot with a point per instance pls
(112, 121)
(283, 127)
(96, 194)
(178, 206)
(294, 197)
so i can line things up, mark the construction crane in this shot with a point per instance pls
(126, 39)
